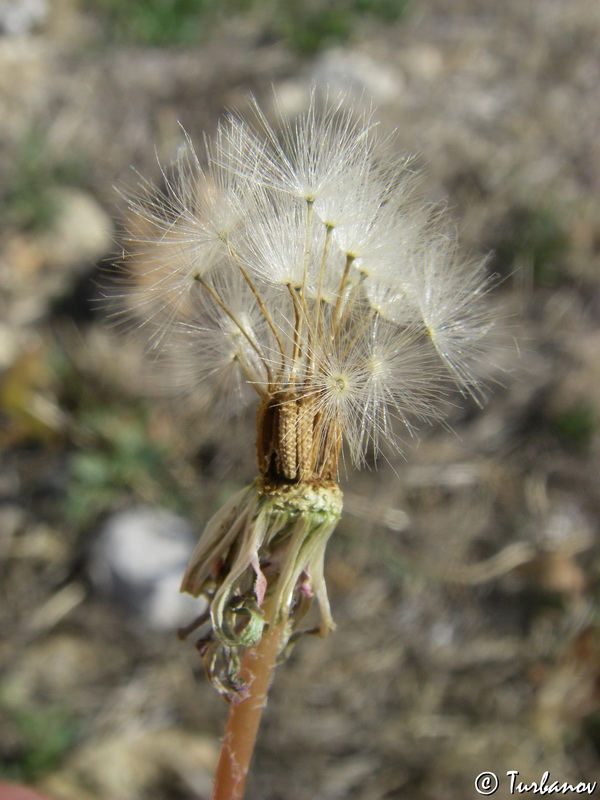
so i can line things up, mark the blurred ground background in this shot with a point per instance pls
(464, 579)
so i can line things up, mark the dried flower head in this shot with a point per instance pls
(302, 268)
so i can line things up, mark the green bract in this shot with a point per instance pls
(264, 549)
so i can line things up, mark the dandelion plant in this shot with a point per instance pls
(299, 270)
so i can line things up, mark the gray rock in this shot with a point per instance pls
(81, 233)
(359, 75)
(138, 560)
(20, 17)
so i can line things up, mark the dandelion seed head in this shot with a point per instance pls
(295, 266)
(299, 264)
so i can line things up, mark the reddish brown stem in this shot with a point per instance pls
(244, 718)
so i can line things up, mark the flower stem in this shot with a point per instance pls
(244, 717)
